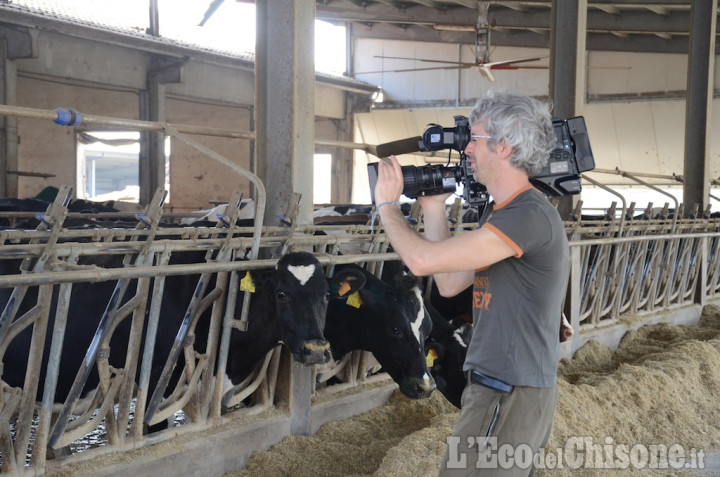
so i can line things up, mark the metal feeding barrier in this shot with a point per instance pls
(653, 264)
(634, 264)
(53, 259)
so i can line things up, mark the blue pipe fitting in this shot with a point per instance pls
(68, 117)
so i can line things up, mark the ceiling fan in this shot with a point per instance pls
(482, 52)
(483, 65)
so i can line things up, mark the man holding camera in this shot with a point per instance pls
(517, 263)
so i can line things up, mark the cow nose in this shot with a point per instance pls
(316, 352)
(426, 386)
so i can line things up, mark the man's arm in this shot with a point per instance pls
(452, 260)
(438, 230)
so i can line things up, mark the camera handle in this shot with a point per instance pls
(474, 192)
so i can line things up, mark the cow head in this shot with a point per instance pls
(395, 326)
(446, 349)
(301, 295)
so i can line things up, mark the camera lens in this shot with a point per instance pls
(429, 180)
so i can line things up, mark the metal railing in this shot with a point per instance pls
(639, 265)
(52, 263)
(650, 266)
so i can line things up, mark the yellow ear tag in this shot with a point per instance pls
(431, 357)
(354, 300)
(344, 288)
(247, 284)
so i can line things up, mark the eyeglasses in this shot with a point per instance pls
(481, 136)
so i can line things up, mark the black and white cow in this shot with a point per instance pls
(288, 305)
(389, 321)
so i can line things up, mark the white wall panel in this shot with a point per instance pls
(668, 119)
(601, 128)
(636, 137)
(635, 73)
(714, 140)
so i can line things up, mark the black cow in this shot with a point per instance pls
(387, 320)
(288, 305)
(446, 349)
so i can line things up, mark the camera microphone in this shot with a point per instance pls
(403, 146)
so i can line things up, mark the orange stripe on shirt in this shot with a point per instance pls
(517, 193)
(506, 239)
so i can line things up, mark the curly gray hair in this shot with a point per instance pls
(523, 122)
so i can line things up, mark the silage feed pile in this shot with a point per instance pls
(660, 387)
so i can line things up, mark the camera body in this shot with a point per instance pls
(560, 176)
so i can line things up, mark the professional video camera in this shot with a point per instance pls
(560, 176)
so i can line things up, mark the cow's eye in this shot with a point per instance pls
(395, 331)
(281, 296)
(327, 297)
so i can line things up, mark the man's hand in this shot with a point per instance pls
(389, 185)
(430, 201)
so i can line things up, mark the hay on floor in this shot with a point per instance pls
(659, 387)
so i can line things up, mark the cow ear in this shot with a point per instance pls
(346, 282)
(254, 279)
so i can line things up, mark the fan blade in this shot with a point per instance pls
(519, 67)
(210, 11)
(509, 62)
(426, 60)
(485, 71)
(462, 67)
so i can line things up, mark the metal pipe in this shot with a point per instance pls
(615, 193)
(370, 149)
(673, 177)
(102, 274)
(89, 119)
(53, 115)
(260, 187)
(650, 186)
(154, 29)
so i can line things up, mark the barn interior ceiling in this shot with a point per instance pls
(657, 26)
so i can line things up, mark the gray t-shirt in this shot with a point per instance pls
(517, 301)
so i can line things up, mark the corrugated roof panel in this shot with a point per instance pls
(114, 16)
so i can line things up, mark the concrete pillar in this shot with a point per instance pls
(3, 119)
(284, 97)
(285, 134)
(342, 164)
(152, 151)
(8, 125)
(701, 61)
(152, 108)
(568, 25)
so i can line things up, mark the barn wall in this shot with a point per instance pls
(107, 80)
(215, 82)
(329, 103)
(99, 62)
(195, 179)
(47, 148)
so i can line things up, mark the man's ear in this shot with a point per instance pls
(346, 282)
(504, 149)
